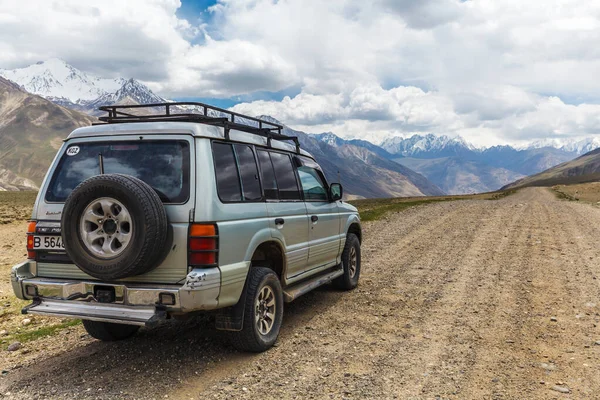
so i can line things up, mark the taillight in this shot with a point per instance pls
(30, 233)
(203, 246)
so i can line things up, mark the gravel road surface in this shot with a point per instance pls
(461, 300)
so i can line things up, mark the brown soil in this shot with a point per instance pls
(473, 299)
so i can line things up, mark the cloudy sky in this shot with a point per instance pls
(493, 71)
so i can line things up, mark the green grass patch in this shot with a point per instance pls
(372, 210)
(38, 333)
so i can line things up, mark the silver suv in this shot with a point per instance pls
(163, 210)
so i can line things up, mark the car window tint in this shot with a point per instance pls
(268, 175)
(312, 185)
(285, 176)
(164, 165)
(228, 180)
(248, 172)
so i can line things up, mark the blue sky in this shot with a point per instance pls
(191, 9)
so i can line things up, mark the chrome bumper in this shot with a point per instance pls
(133, 303)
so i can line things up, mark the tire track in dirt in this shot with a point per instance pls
(473, 307)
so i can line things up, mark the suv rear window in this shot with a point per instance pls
(164, 165)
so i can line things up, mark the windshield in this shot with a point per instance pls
(164, 165)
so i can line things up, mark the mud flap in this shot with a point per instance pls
(232, 318)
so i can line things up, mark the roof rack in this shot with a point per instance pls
(118, 114)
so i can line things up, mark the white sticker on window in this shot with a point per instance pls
(73, 150)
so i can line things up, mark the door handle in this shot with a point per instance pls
(279, 221)
(314, 218)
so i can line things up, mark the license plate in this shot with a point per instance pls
(48, 243)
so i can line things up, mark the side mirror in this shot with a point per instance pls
(336, 192)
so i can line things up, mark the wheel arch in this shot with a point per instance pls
(266, 245)
(353, 226)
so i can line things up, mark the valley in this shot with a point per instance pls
(461, 299)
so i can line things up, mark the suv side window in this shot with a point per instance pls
(268, 175)
(312, 185)
(285, 176)
(228, 179)
(248, 172)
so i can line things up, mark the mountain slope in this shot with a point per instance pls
(363, 173)
(455, 175)
(457, 167)
(31, 130)
(336, 141)
(582, 169)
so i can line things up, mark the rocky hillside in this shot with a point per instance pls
(582, 169)
(31, 130)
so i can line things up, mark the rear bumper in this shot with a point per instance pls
(133, 303)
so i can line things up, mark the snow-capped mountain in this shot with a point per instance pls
(331, 139)
(67, 86)
(132, 92)
(576, 145)
(428, 146)
(58, 81)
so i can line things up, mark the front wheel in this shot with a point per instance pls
(108, 331)
(263, 312)
(351, 264)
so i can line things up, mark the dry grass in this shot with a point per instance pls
(587, 192)
(16, 206)
(374, 209)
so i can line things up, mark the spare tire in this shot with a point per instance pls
(114, 226)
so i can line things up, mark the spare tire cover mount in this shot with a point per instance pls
(106, 227)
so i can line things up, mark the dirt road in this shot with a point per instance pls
(462, 300)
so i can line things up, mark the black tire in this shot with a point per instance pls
(250, 338)
(349, 280)
(148, 244)
(109, 332)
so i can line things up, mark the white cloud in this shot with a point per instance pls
(137, 38)
(492, 70)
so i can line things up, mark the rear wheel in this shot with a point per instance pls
(108, 331)
(263, 312)
(351, 263)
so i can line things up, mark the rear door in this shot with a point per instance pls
(324, 219)
(285, 208)
(165, 162)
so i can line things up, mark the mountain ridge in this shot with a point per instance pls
(67, 86)
(457, 167)
(585, 168)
